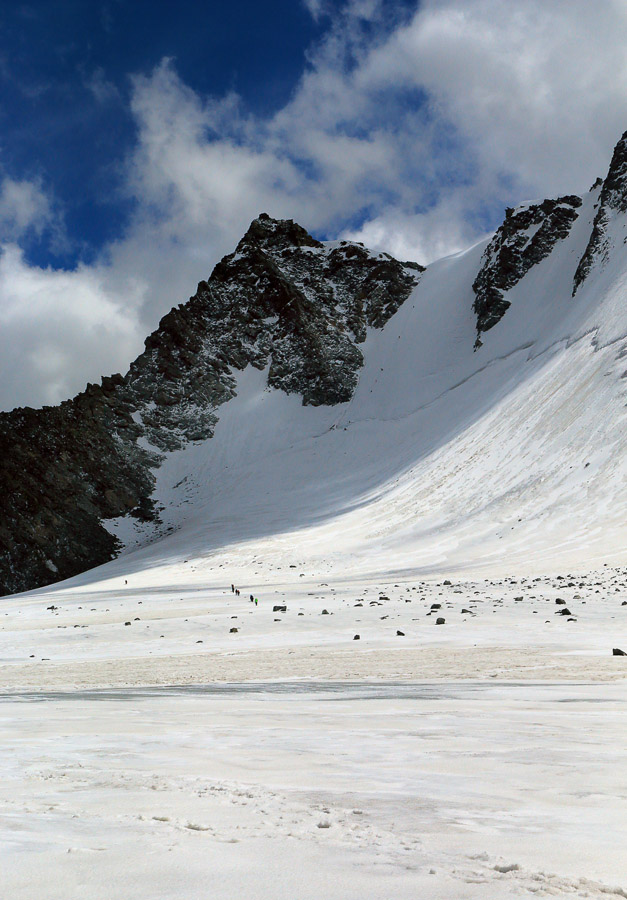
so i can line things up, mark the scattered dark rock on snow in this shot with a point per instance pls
(356, 637)
(233, 630)
(617, 652)
(279, 609)
(440, 620)
(400, 633)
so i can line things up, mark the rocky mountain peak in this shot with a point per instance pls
(270, 234)
(282, 302)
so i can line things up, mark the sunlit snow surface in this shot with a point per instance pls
(481, 758)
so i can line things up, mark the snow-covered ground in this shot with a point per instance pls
(479, 758)
(342, 792)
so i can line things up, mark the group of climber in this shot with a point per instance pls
(235, 591)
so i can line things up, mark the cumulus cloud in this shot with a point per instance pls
(48, 318)
(408, 131)
(539, 89)
(24, 207)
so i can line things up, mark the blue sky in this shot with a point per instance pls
(138, 140)
(65, 87)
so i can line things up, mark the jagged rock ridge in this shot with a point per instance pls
(613, 199)
(526, 237)
(282, 300)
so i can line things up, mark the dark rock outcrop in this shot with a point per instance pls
(613, 199)
(62, 470)
(527, 235)
(283, 301)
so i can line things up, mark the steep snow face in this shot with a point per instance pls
(508, 457)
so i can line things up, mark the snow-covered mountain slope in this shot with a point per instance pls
(410, 444)
(511, 456)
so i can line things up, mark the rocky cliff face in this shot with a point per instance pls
(612, 200)
(526, 237)
(283, 300)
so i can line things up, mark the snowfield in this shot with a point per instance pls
(163, 737)
(317, 790)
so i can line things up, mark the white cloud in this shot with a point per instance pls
(408, 134)
(24, 207)
(52, 319)
(423, 237)
(538, 89)
(316, 8)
